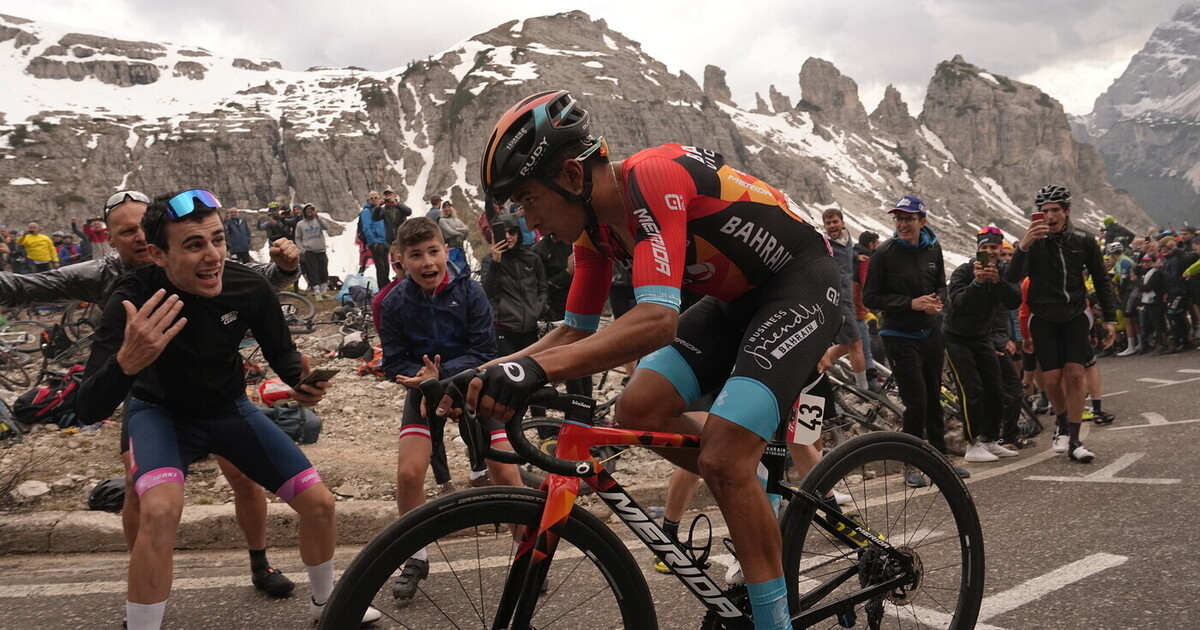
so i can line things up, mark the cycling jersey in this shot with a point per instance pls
(696, 222)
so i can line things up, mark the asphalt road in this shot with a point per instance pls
(1096, 546)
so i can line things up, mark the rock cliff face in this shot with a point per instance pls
(1147, 124)
(1019, 136)
(161, 117)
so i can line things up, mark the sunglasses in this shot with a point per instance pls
(121, 197)
(990, 230)
(185, 202)
(904, 218)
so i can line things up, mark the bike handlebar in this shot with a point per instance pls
(455, 386)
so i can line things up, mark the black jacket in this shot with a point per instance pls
(516, 288)
(898, 273)
(1055, 266)
(971, 308)
(1172, 268)
(554, 255)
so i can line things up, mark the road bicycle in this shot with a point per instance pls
(517, 558)
(298, 312)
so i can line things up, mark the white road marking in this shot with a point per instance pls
(1189, 371)
(1111, 394)
(1108, 474)
(1160, 381)
(1154, 420)
(1043, 585)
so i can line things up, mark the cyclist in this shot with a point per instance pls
(1055, 257)
(168, 339)
(683, 216)
(93, 281)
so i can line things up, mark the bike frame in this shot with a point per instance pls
(536, 549)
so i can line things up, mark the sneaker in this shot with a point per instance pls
(962, 473)
(1080, 453)
(1088, 416)
(841, 498)
(480, 482)
(1103, 417)
(733, 575)
(661, 566)
(273, 582)
(977, 453)
(314, 610)
(874, 385)
(1042, 408)
(1059, 445)
(1017, 443)
(405, 586)
(446, 488)
(1128, 352)
(999, 451)
(913, 478)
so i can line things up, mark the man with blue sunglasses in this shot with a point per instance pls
(168, 340)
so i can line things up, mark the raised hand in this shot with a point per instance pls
(148, 330)
(285, 254)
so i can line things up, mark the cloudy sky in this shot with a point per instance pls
(1072, 49)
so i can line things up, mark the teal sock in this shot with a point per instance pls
(775, 499)
(768, 603)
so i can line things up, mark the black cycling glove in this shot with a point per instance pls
(512, 382)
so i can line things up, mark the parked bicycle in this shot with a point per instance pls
(519, 558)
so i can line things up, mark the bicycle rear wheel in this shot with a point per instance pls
(13, 374)
(937, 527)
(592, 580)
(296, 307)
(23, 335)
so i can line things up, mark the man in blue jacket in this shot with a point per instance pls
(237, 235)
(374, 235)
(433, 324)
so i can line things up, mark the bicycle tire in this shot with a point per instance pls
(23, 335)
(543, 433)
(77, 352)
(949, 570)
(296, 307)
(13, 374)
(80, 319)
(590, 564)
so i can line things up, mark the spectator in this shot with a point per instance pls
(847, 340)
(528, 237)
(435, 322)
(435, 209)
(97, 235)
(455, 233)
(867, 242)
(906, 281)
(15, 254)
(515, 283)
(69, 252)
(1056, 257)
(310, 238)
(85, 244)
(1176, 295)
(393, 213)
(147, 332)
(93, 281)
(237, 235)
(977, 295)
(1193, 283)
(39, 249)
(373, 231)
(273, 224)
(1116, 233)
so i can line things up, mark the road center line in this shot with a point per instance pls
(1043, 585)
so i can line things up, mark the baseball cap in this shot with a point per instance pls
(388, 190)
(909, 203)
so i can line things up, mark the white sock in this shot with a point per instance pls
(321, 579)
(475, 474)
(860, 379)
(421, 554)
(144, 616)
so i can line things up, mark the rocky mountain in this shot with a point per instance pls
(85, 114)
(1147, 124)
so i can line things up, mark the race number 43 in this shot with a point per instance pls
(807, 414)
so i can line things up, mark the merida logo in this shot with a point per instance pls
(658, 247)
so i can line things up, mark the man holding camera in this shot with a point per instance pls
(975, 295)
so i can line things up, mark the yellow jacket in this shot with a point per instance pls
(38, 247)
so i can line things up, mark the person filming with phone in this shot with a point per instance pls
(168, 339)
(976, 297)
(1056, 257)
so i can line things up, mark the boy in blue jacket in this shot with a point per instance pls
(434, 324)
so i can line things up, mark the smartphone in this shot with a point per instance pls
(317, 375)
(983, 258)
(498, 233)
(1039, 216)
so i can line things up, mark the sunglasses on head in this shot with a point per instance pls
(990, 230)
(121, 197)
(185, 202)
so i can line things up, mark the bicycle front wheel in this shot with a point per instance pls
(592, 579)
(935, 526)
(23, 335)
(13, 375)
(295, 307)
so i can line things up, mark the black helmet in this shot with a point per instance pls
(108, 495)
(527, 135)
(1053, 194)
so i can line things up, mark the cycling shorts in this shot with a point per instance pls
(1059, 343)
(414, 423)
(848, 333)
(162, 444)
(1029, 361)
(757, 349)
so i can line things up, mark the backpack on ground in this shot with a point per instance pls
(302, 424)
(52, 402)
(365, 290)
(55, 341)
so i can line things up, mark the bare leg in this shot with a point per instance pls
(131, 510)
(249, 504)
(644, 406)
(151, 560)
(412, 462)
(318, 525)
